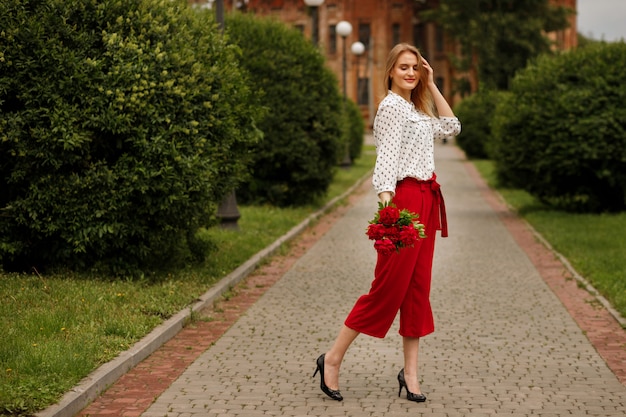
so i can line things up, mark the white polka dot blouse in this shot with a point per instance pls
(404, 139)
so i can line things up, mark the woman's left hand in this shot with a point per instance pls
(443, 108)
(429, 70)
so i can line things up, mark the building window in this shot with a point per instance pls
(363, 96)
(419, 36)
(365, 33)
(560, 39)
(439, 39)
(395, 34)
(439, 82)
(332, 39)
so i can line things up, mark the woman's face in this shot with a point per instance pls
(405, 73)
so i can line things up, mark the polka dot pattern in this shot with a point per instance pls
(404, 139)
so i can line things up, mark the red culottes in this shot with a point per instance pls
(402, 280)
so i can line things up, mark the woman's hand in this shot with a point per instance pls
(429, 71)
(385, 197)
(443, 108)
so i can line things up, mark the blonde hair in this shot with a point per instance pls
(420, 96)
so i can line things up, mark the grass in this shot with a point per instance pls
(595, 245)
(57, 329)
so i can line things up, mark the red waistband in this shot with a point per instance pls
(434, 186)
(411, 179)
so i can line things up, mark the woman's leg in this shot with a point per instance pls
(410, 346)
(334, 356)
(416, 317)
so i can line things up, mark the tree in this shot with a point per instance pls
(498, 37)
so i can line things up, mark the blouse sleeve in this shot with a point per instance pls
(444, 127)
(387, 137)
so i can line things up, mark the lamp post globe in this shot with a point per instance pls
(344, 29)
(357, 48)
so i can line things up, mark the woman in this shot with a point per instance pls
(412, 115)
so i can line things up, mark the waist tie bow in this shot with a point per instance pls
(436, 189)
(434, 186)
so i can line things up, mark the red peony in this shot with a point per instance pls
(376, 231)
(393, 233)
(385, 246)
(407, 236)
(393, 229)
(388, 215)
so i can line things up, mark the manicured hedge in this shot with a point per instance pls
(561, 132)
(355, 126)
(295, 162)
(476, 113)
(122, 125)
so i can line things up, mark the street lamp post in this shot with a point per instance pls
(357, 49)
(227, 211)
(219, 14)
(344, 29)
(314, 5)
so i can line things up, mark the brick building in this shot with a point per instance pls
(378, 25)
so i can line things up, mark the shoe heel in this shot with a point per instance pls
(401, 382)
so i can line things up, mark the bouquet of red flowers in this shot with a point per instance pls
(393, 229)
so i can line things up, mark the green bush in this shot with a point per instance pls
(295, 162)
(355, 129)
(122, 125)
(476, 112)
(561, 133)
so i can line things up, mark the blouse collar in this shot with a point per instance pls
(409, 104)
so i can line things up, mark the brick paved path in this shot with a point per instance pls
(504, 344)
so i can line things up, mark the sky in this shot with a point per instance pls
(602, 19)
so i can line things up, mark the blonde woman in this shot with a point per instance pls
(412, 115)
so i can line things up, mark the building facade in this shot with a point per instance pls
(378, 25)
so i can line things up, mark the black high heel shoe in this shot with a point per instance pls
(334, 394)
(418, 398)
